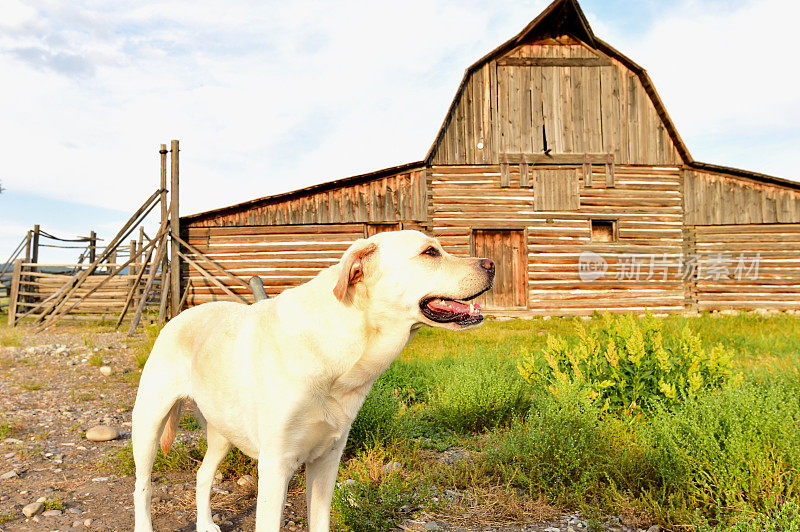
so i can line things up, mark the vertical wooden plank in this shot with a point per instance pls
(608, 107)
(574, 110)
(525, 117)
(548, 120)
(504, 172)
(175, 228)
(14, 292)
(524, 177)
(610, 178)
(537, 119)
(634, 127)
(587, 171)
(495, 116)
(591, 93)
(566, 91)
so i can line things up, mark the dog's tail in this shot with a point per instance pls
(171, 426)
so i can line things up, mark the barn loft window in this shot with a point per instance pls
(555, 189)
(604, 231)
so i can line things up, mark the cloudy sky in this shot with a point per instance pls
(268, 96)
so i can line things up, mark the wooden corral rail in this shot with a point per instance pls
(31, 288)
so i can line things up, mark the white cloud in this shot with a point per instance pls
(726, 75)
(264, 97)
(270, 96)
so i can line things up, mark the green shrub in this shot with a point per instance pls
(786, 519)
(565, 450)
(377, 421)
(475, 394)
(372, 506)
(625, 364)
(738, 449)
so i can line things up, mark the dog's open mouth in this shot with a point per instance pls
(443, 310)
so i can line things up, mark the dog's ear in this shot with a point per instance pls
(353, 266)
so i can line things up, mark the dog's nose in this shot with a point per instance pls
(487, 264)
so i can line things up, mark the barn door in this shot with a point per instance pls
(508, 251)
(374, 229)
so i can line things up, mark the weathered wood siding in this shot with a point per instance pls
(388, 199)
(645, 204)
(748, 266)
(714, 199)
(283, 256)
(576, 98)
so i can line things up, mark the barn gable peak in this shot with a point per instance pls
(562, 17)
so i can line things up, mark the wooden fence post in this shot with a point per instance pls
(175, 228)
(28, 239)
(164, 214)
(92, 247)
(133, 268)
(14, 293)
(35, 250)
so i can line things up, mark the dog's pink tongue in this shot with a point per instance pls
(448, 305)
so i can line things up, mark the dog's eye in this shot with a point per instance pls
(431, 251)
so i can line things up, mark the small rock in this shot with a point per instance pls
(106, 370)
(349, 482)
(77, 524)
(12, 441)
(41, 499)
(393, 466)
(88, 522)
(51, 513)
(654, 528)
(74, 510)
(432, 525)
(246, 480)
(552, 529)
(100, 479)
(102, 433)
(32, 509)
(8, 476)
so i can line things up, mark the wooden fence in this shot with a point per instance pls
(30, 287)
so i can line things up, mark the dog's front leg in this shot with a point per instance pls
(320, 482)
(273, 481)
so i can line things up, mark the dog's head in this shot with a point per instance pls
(410, 275)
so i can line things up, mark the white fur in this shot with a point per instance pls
(283, 379)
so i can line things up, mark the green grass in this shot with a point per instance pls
(53, 504)
(5, 428)
(31, 386)
(141, 350)
(727, 458)
(723, 456)
(96, 360)
(9, 337)
(182, 457)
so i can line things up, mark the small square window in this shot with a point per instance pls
(604, 231)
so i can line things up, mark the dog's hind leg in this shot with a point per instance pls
(217, 449)
(154, 404)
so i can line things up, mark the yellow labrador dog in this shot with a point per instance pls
(283, 379)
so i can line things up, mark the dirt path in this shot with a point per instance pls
(52, 391)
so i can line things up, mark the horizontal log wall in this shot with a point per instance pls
(283, 256)
(713, 199)
(748, 266)
(388, 199)
(590, 104)
(645, 205)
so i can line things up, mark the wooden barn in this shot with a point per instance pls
(557, 159)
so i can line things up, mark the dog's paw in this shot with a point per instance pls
(207, 527)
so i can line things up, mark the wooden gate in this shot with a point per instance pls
(507, 249)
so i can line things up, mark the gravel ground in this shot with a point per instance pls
(55, 386)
